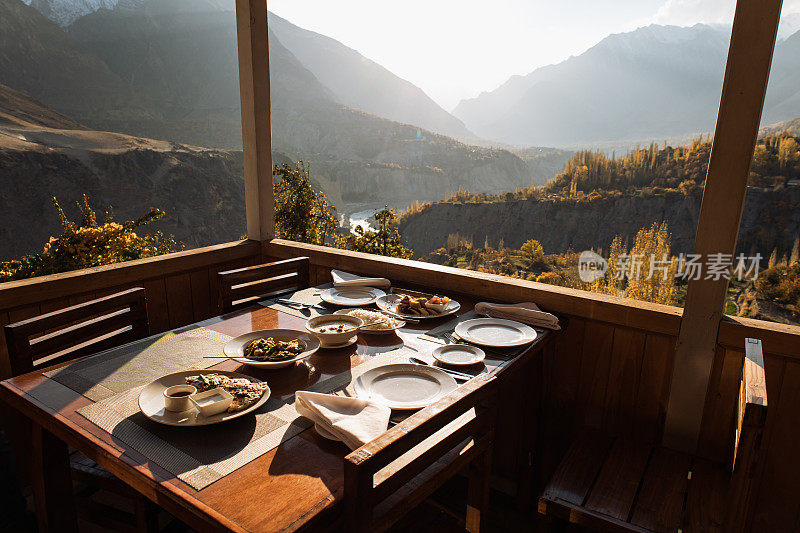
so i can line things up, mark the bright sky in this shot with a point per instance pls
(455, 49)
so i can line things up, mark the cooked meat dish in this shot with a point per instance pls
(273, 350)
(244, 392)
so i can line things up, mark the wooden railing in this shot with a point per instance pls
(181, 287)
(610, 369)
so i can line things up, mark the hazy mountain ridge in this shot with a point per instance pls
(653, 82)
(363, 84)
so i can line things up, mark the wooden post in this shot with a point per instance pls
(749, 57)
(251, 22)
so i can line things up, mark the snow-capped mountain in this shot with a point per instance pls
(65, 12)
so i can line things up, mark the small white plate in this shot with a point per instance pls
(352, 340)
(379, 331)
(151, 401)
(459, 354)
(496, 332)
(351, 296)
(404, 385)
(235, 347)
(388, 303)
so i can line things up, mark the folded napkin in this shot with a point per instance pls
(351, 420)
(526, 312)
(346, 279)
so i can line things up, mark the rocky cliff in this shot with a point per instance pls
(770, 219)
(201, 190)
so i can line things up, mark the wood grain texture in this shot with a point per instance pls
(653, 394)
(744, 86)
(616, 486)
(595, 366)
(716, 434)
(623, 381)
(179, 299)
(659, 504)
(253, 45)
(304, 476)
(778, 504)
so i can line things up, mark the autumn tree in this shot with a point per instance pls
(301, 213)
(386, 241)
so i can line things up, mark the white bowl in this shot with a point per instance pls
(333, 338)
(212, 401)
(178, 403)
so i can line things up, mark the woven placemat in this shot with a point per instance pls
(306, 296)
(200, 456)
(119, 369)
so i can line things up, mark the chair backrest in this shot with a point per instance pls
(241, 287)
(392, 474)
(78, 330)
(748, 454)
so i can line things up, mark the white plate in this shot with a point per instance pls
(235, 347)
(388, 303)
(151, 401)
(404, 385)
(351, 296)
(400, 323)
(459, 354)
(495, 332)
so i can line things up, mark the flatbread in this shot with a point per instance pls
(244, 391)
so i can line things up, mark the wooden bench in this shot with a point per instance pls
(612, 484)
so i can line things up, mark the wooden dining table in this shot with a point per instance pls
(297, 485)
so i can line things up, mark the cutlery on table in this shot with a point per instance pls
(456, 374)
(301, 304)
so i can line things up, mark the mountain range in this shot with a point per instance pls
(167, 69)
(651, 83)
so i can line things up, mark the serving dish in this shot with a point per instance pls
(495, 332)
(388, 303)
(351, 296)
(334, 330)
(151, 401)
(404, 385)
(459, 354)
(368, 317)
(234, 349)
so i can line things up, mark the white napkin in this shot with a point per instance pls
(351, 420)
(527, 312)
(346, 279)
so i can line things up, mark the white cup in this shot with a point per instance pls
(176, 398)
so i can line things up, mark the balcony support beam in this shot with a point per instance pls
(253, 42)
(746, 75)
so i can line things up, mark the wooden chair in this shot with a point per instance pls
(388, 477)
(243, 286)
(611, 484)
(62, 336)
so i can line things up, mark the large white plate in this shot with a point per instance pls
(404, 385)
(351, 296)
(399, 323)
(388, 303)
(235, 347)
(495, 332)
(459, 354)
(151, 401)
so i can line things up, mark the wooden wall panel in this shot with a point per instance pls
(598, 340)
(157, 310)
(720, 408)
(651, 400)
(179, 300)
(778, 503)
(203, 304)
(623, 381)
(5, 364)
